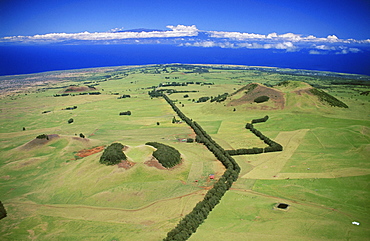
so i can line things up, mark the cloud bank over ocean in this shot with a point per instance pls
(186, 36)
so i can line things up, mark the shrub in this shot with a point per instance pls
(113, 154)
(203, 99)
(2, 211)
(261, 99)
(42, 136)
(82, 135)
(166, 155)
(125, 113)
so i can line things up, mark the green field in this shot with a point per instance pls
(50, 193)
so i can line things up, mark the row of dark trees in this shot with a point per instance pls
(166, 155)
(191, 221)
(264, 119)
(82, 93)
(220, 98)
(325, 97)
(272, 145)
(113, 154)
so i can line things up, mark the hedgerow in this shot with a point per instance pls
(325, 97)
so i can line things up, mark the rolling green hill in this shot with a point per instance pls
(55, 188)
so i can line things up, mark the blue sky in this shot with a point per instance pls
(346, 19)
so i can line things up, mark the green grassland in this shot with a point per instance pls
(323, 173)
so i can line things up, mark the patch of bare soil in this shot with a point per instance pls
(153, 162)
(38, 142)
(303, 91)
(276, 97)
(89, 152)
(78, 89)
(80, 139)
(126, 164)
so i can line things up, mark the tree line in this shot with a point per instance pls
(325, 97)
(191, 221)
(272, 145)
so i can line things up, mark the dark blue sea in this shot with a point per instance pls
(34, 59)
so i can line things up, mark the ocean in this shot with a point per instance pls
(40, 58)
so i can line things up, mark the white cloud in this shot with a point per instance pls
(344, 51)
(332, 38)
(189, 36)
(206, 44)
(354, 50)
(176, 31)
(184, 29)
(315, 52)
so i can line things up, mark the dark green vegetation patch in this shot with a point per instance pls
(261, 99)
(42, 136)
(113, 154)
(325, 97)
(2, 211)
(166, 155)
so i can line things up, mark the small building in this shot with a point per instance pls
(211, 176)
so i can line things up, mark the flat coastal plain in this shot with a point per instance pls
(56, 189)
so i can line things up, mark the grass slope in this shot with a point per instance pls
(51, 195)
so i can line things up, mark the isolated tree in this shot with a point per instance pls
(24, 128)
(70, 121)
(174, 120)
(82, 135)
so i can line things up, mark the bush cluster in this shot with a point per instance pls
(261, 99)
(71, 108)
(203, 99)
(220, 98)
(166, 155)
(124, 96)
(125, 113)
(113, 154)
(43, 136)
